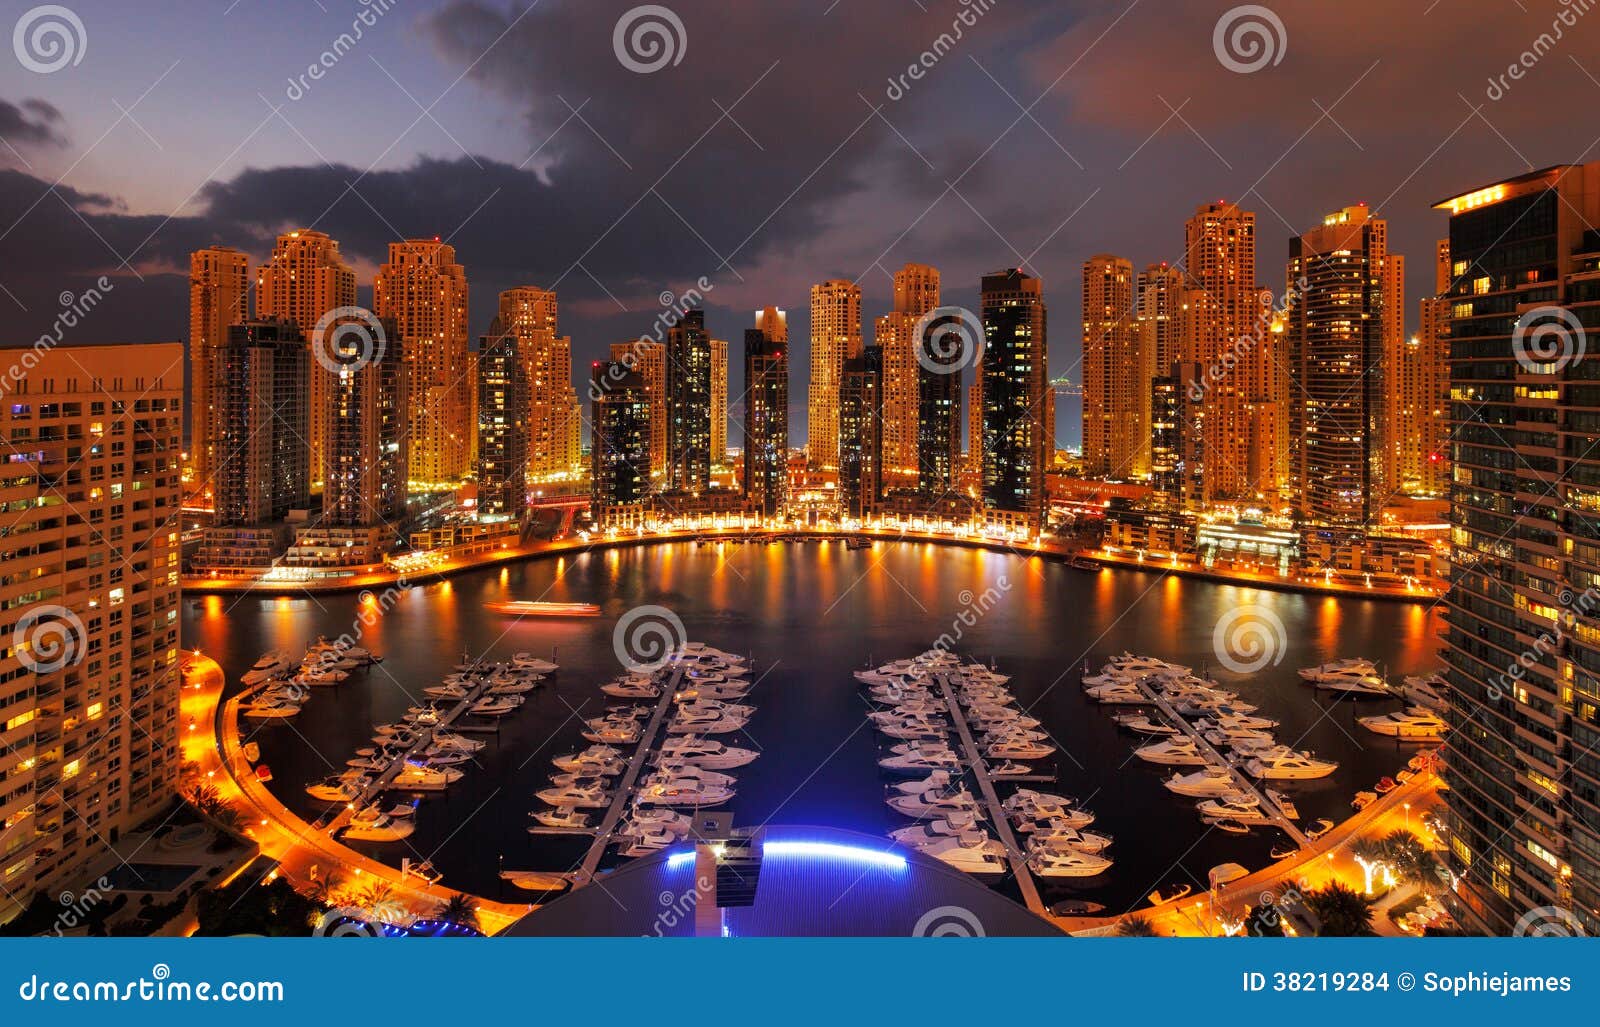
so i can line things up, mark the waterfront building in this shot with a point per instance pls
(1418, 418)
(719, 402)
(766, 421)
(89, 677)
(305, 279)
(219, 296)
(531, 314)
(1177, 437)
(619, 447)
(1522, 637)
(861, 430)
(916, 294)
(1016, 390)
(259, 389)
(688, 378)
(835, 337)
(939, 407)
(1117, 368)
(424, 291)
(1338, 328)
(649, 358)
(503, 436)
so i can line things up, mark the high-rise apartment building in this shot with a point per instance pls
(424, 291)
(939, 406)
(649, 358)
(916, 294)
(1117, 368)
(688, 387)
(503, 437)
(1522, 637)
(89, 677)
(835, 337)
(1177, 436)
(1158, 300)
(766, 419)
(306, 279)
(620, 451)
(1016, 389)
(719, 402)
(219, 296)
(1419, 418)
(531, 314)
(861, 424)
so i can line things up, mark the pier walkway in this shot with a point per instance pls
(1002, 825)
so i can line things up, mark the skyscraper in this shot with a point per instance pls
(530, 313)
(368, 448)
(835, 337)
(424, 291)
(619, 445)
(1336, 337)
(305, 279)
(1117, 369)
(688, 388)
(719, 402)
(766, 420)
(1016, 388)
(219, 296)
(1419, 419)
(1158, 298)
(89, 675)
(939, 407)
(649, 358)
(861, 424)
(916, 293)
(503, 437)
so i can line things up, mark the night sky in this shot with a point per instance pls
(778, 149)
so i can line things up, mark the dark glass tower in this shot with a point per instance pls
(260, 388)
(939, 367)
(688, 380)
(620, 436)
(503, 410)
(766, 421)
(861, 433)
(1016, 388)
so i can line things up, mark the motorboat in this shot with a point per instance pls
(704, 752)
(1018, 749)
(940, 827)
(1230, 826)
(972, 852)
(712, 690)
(1232, 806)
(1285, 804)
(527, 661)
(378, 828)
(416, 778)
(344, 788)
(914, 730)
(1414, 724)
(1428, 690)
(936, 781)
(713, 708)
(1062, 837)
(519, 687)
(661, 818)
(580, 779)
(632, 688)
(599, 766)
(1067, 863)
(1141, 723)
(1230, 721)
(321, 676)
(567, 817)
(574, 797)
(703, 725)
(535, 880)
(665, 790)
(456, 743)
(1180, 752)
(934, 803)
(684, 769)
(604, 730)
(645, 842)
(920, 757)
(278, 709)
(496, 706)
(422, 870)
(1350, 677)
(1238, 738)
(1285, 763)
(1210, 780)
(1029, 805)
(270, 665)
(1118, 693)
(446, 691)
(1009, 769)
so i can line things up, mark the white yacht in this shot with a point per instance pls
(647, 841)
(934, 803)
(632, 688)
(940, 827)
(1141, 723)
(659, 819)
(563, 817)
(1067, 863)
(704, 724)
(1030, 805)
(1173, 752)
(603, 730)
(446, 691)
(575, 798)
(496, 706)
(379, 828)
(681, 791)
(972, 852)
(1118, 693)
(270, 665)
(1426, 690)
(594, 756)
(704, 752)
(1210, 780)
(914, 730)
(1415, 724)
(1351, 677)
(919, 759)
(346, 787)
(1236, 721)
(1285, 763)
(424, 779)
(936, 781)
(1063, 837)
(1018, 749)
(527, 661)
(275, 709)
(1234, 806)
(675, 768)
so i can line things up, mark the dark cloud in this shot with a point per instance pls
(31, 123)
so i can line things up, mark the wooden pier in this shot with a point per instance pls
(630, 778)
(1275, 817)
(1002, 825)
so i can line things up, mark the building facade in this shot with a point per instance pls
(766, 421)
(835, 338)
(688, 388)
(649, 358)
(719, 402)
(861, 429)
(619, 447)
(1016, 390)
(219, 296)
(1116, 370)
(916, 294)
(503, 436)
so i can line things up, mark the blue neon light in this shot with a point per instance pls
(678, 859)
(833, 850)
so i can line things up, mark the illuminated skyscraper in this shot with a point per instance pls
(649, 358)
(1522, 635)
(89, 675)
(835, 337)
(424, 291)
(1419, 418)
(916, 293)
(530, 313)
(688, 359)
(304, 280)
(939, 408)
(1117, 369)
(219, 296)
(1016, 388)
(502, 424)
(619, 445)
(861, 424)
(719, 402)
(766, 420)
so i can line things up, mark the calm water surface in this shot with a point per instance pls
(810, 614)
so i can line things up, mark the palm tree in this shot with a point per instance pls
(1372, 855)
(1135, 926)
(460, 909)
(322, 889)
(1410, 859)
(1339, 912)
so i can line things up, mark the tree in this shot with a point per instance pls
(1263, 921)
(1135, 926)
(1410, 859)
(247, 906)
(460, 909)
(1339, 912)
(1372, 856)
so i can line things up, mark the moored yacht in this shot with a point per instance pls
(1285, 763)
(1209, 780)
(1415, 724)
(1351, 677)
(972, 852)
(1178, 752)
(1067, 863)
